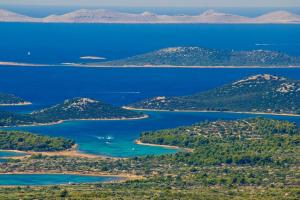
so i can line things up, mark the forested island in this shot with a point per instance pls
(263, 93)
(22, 141)
(239, 159)
(72, 109)
(10, 99)
(205, 57)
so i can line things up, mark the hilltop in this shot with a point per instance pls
(197, 56)
(260, 93)
(107, 16)
(10, 99)
(72, 109)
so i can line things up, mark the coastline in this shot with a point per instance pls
(210, 111)
(139, 142)
(69, 120)
(176, 66)
(72, 152)
(122, 177)
(2, 63)
(25, 103)
(91, 65)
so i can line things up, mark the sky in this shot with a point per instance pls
(158, 3)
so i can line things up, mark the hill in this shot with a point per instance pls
(220, 131)
(197, 56)
(72, 109)
(260, 93)
(13, 140)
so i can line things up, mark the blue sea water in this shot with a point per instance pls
(50, 179)
(10, 154)
(56, 43)
(46, 86)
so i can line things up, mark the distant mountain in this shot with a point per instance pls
(7, 16)
(278, 17)
(259, 93)
(196, 56)
(10, 99)
(106, 16)
(73, 109)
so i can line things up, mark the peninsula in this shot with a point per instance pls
(12, 100)
(21, 141)
(263, 93)
(253, 158)
(72, 109)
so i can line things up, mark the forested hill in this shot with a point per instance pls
(259, 93)
(72, 109)
(13, 140)
(10, 99)
(222, 131)
(197, 56)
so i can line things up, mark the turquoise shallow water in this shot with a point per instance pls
(50, 179)
(116, 138)
(46, 86)
(10, 154)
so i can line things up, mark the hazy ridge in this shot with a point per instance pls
(107, 16)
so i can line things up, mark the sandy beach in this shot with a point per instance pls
(161, 145)
(2, 63)
(73, 152)
(209, 111)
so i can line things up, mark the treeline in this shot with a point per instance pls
(13, 140)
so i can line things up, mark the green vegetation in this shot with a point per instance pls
(242, 159)
(9, 99)
(196, 56)
(259, 93)
(78, 108)
(12, 140)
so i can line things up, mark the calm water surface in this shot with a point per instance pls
(47, 86)
(50, 179)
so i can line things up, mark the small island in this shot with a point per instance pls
(263, 93)
(12, 100)
(198, 57)
(72, 109)
(21, 141)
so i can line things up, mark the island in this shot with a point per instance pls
(253, 158)
(116, 17)
(71, 109)
(262, 93)
(12, 100)
(198, 57)
(23, 141)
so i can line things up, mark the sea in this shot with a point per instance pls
(59, 43)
